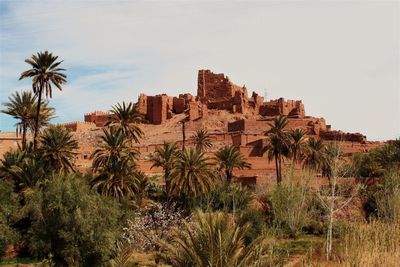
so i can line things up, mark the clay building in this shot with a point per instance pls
(99, 118)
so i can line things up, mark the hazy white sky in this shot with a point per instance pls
(341, 58)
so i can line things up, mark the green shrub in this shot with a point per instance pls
(8, 207)
(214, 239)
(290, 207)
(388, 197)
(226, 197)
(74, 224)
(257, 219)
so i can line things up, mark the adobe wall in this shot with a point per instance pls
(291, 108)
(218, 92)
(99, 118)
(249, 125)
(8, 141)
(78, 126)
(341, 136)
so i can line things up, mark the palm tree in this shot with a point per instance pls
(126, 117)
(213, 239)
(119, 180)
(332, 153)
(45, 71)
(22, 168)
(20, 106)
(297, 143)
(202, 140)
(193, 174)
(165, 157)
(45, 115)
(229, 158)
(314, 158)
(58, 148)
(114, 165)
(115, 147)
(278, 145)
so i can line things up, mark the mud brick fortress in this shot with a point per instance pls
(229, 114)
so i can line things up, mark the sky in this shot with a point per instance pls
(342, 58)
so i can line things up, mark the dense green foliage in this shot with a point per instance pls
(71, 222)
(193, 175)
(214, 239)
(375, 162)
(9, 203)
(226, 197)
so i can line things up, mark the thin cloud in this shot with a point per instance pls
(341, 58)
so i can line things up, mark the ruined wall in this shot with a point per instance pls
(78, 126)
(341, 136)
(156, 109)
(8, 142)
(249, 125)
(99, 118)
(218, 92)
(292, 108)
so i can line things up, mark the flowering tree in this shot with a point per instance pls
(145, 231)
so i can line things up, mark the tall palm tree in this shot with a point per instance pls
(315, 155)
(119, 180)
(213, 239)
(114, 165)
(278, 145)
(229, 158)
(297, 143)
(126, 117)
(45, 115)
(45, 72)
(20, 106)
(202, 140)
(165, 157)
(115, 147)
(58, 148)
(332, 152)
(193, 174)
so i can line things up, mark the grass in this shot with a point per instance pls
(13, 262)
(370, 244)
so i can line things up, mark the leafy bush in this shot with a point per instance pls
(257, 219)
(226, 197)
(8, 207)
(375, 162)
(290, 207)
(388, 197)
(214, 239)
(71, 222)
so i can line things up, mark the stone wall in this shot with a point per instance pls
(341, 136)
(99, 118)
(291, 108)
(78, 126)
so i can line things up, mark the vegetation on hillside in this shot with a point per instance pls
(198, 215)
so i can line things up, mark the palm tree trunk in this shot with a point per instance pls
(167, 182)
(228, 176)
(36, 132)
(277, 169)
(280, 168)
(24, 128)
